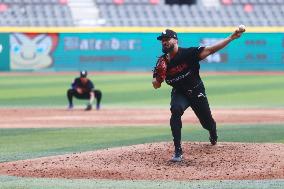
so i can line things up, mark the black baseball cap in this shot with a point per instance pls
(168, 34)
(83, 73)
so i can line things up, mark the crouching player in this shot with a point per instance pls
(83, 88)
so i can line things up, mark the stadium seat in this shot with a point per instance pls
(149, 13)
(35, 13)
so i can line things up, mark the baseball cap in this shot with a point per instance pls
(167, 34)
(83, 73)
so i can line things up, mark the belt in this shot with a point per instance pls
(191, 90)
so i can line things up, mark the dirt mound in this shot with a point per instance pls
(151, 161)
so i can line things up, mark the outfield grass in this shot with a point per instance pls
(30, 183)
(136, 90)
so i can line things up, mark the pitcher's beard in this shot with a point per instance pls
(167, 49)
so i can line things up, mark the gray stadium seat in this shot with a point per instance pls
(143, 13)
(36, 13)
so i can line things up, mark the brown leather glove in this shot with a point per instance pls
(160, 69)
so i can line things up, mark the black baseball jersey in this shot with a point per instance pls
(183, 69)
(86, 87)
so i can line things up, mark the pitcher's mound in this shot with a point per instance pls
(151, 161)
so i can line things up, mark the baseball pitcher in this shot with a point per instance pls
(179, 68)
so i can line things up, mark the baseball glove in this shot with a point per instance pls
(160, 69)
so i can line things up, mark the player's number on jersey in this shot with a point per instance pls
(1, 48)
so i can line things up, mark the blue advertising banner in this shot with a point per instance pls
(253, 51)
(135, 51)
(111, 52)
(4, 52)
(138, 51)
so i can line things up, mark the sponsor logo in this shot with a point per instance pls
(178, 69)
(170, 81)
(32, 51)
(200, 95)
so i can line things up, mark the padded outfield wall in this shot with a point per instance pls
(133, 49)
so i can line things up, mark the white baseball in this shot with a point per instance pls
(242, 27)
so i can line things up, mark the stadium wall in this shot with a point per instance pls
(133, 49)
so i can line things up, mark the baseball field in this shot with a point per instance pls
(128, 143)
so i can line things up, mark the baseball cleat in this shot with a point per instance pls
(89, 107)
(177, 157)
(98, 107)
(70, 107)
(213, 137)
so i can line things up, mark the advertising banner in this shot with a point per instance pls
(134, 51)
(109, 52)
(4, 52)
(32, 51)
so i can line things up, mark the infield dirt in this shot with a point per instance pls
(56, 117)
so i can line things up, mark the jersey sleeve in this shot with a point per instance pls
(74, 85)
(90, 85)
(195, 51)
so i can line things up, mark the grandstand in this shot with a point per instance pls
(147, 13)
(202, 13)
(35, 13)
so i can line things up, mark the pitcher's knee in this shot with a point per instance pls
(209, 124)
(176, 110)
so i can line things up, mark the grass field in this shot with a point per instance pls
(136, 90)
(16, 144)
(128, 90)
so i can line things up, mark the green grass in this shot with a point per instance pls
(136, 90)
(246, 90)
(16, 144)
(30, 183)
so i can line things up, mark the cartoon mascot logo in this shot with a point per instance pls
(32, 51)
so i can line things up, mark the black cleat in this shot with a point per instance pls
(98, 107)
(89, 107)
(70, 107)
(177, 157)
(213, 137)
